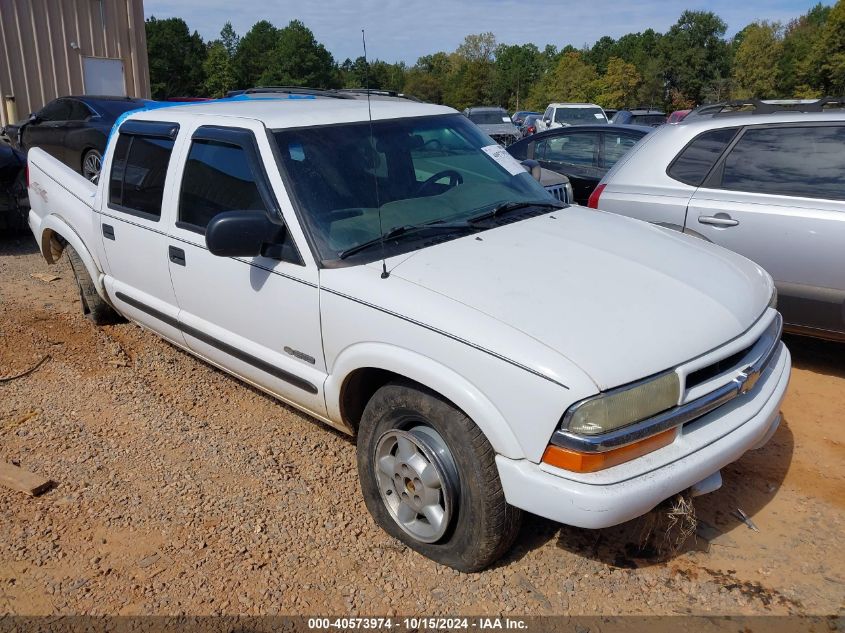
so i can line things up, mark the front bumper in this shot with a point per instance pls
(624, 492)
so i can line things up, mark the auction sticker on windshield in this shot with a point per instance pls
(501, 156)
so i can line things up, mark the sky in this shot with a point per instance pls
(403, 30)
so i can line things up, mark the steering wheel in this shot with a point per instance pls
(434, 143)
(455, 179)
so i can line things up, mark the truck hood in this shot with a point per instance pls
(620, 298)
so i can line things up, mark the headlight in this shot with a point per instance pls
(621, 407)
(773, 302)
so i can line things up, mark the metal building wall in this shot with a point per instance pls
(43, 42)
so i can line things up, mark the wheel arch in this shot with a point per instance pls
(56, 234)
(360, 370)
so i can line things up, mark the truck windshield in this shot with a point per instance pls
(430, 170)
(579, 116)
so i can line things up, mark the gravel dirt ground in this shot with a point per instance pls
(181, 490)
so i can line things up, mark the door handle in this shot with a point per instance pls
(177, 255)
(720, 219)
(108, 231)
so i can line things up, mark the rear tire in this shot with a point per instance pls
(407, 430)
(93, 307)
(92, 163)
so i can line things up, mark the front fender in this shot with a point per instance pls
(431, 374)
(51, 226)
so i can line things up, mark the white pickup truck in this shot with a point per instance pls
(404, 280)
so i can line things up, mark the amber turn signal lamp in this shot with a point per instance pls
(590, 462)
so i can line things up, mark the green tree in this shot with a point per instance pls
(255, 53)
(573, 79)
(229, 38)
(470, 78)
(517, 68)
(755, 67)
(298, 59)
(219, 75)
(828, 54)
(695, 54)
(423, 85)
(617, 88)
(796, 67)
(176, 58)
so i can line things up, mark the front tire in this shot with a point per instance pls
(429, 478)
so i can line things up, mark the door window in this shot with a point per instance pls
(572, 149)
(696, 160)
(217, 178)
(139, 168)
(789, 161)
(78, 111)
(57, 110)
(615, 147)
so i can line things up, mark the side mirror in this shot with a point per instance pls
(533, 167)
(242, 234)
(33, 117)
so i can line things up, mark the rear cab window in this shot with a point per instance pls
(139, 168)
(695, 161)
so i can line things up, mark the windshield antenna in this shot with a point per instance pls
(384, 273)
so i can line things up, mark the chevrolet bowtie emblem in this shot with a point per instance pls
(747, 379)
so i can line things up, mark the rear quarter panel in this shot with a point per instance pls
(62, 203)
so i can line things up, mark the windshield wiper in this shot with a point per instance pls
(407, 229)
(507, 207)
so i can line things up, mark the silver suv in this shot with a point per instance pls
(764, 179)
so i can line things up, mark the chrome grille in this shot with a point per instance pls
(558, 191)
(503, 139)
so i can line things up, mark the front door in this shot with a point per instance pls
(48, 131)
(258, 317)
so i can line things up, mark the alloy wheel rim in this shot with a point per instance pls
(91, 166)
(418, 481)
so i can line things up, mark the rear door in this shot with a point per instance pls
(140, 170)
(258, 317)
(614, 146)
(576, 155)
(75, 128)
(778, 197)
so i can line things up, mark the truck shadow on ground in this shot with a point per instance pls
(816, 355)
(14, 243)
(748, 484)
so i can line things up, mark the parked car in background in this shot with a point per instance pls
(529, 125)
(519, 117)
(609, 113)
(639, 117)
(495, 123)
(12, 188)
(566, 114)
(764, 180)
(582, 153)
(73, 129)
(677, 116)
